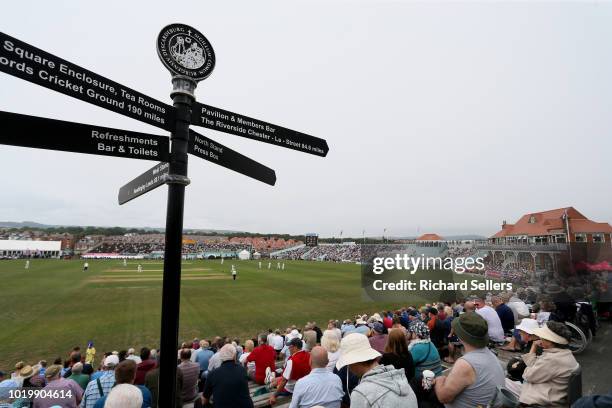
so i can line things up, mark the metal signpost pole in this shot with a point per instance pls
(182, 97)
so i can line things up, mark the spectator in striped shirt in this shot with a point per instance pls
(102, 385)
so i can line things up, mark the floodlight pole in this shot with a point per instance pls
(183, 99)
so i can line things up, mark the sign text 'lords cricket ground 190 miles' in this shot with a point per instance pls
(51, 134)
(34, 65)
(240, 125)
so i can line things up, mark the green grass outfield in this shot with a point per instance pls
(54, 305)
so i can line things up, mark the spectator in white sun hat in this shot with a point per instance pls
(380, 386)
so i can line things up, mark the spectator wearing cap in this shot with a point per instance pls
(293, 334)
(296, 367)
(145, 366)
(78, 376)
(70, 393)
(229, 384)
(380, 386)
(191, 374)
(347, 327)
(378, 340)
(125, 373)
(523, 336)
(131, 355)
(546, 377)
(319, 388)
(361, 327)
(152, 384)
(475, 377)
(424, 354)
(100, 386)
(264, 357)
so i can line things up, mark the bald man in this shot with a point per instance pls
(320, 387)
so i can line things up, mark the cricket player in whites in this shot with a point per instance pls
(234, 272)
(259, 264)
(27, 265)
(139, 268)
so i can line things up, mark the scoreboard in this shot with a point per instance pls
(312, 240)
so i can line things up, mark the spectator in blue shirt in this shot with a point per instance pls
(320, 387)
(203, 355)
(506, 315)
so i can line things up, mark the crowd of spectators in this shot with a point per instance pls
(429, 356)
(325, 252)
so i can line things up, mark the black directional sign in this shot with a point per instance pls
(147, 181)
(41, 133)
(32, 64)
(212, 151)
(240, 125)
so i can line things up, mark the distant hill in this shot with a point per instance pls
(25, 224)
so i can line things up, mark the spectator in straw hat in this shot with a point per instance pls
(69, 392)
(474, 378)
(546, 377)
(228, 384)
(380, 386)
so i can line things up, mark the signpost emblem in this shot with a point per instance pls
(185, 51)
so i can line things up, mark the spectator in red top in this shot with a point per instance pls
(263, 356)
(388, 320)
(144, 367)
(296, 367)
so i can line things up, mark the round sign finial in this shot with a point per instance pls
(185, 52)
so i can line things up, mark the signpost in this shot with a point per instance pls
(212, 151)
(147, 181)
(190, 58)
(240, 125)
(41, 133)
(37, 66)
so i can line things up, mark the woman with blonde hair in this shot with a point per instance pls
(250, 366)
(331, 343)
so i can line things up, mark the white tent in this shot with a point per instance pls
(244, 255)
(30, 248)
(256, 255)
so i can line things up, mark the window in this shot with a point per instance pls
(598, 237)
(532, 219)
(580, 237)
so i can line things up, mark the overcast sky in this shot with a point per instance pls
(440, 117)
